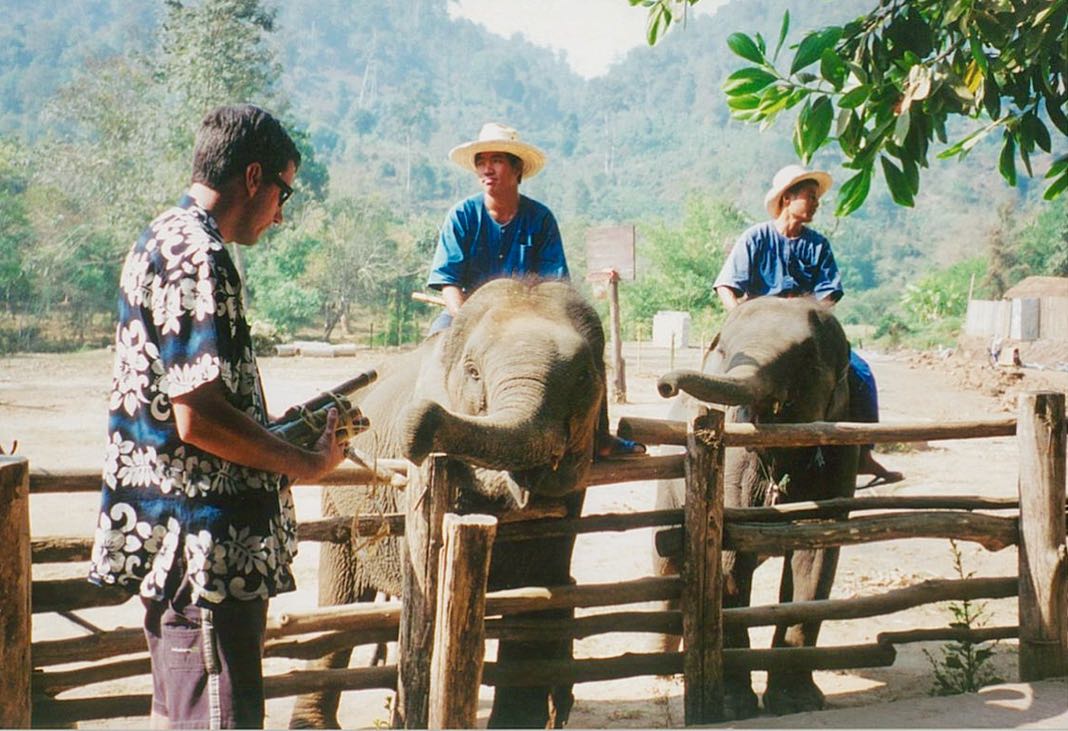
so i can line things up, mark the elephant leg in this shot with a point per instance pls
(541, 706)
(336, 586)
(807, 576)
(739, 700)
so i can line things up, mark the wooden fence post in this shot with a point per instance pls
(15, 610)
(619, 382)
(460, 634)
(1043, 557)
(428, 496)
(702, 592)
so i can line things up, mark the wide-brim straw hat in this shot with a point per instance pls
(788, 177)
(494, 137)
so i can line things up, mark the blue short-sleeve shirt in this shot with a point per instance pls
(182, 325)
(473, 248)
(765, 262)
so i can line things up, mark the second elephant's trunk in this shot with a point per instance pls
(716, 389)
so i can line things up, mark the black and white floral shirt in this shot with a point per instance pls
(181, 325)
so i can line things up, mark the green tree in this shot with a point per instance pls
(16, 235)
(890, 82)
(682, 262)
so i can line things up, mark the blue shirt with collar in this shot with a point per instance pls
(473, 248)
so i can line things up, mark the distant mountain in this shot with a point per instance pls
(386, 88)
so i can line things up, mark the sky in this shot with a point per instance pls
(592, 33)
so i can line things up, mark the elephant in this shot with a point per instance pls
(775, 360)
(513, 392)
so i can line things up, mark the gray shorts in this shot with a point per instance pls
(207, 669)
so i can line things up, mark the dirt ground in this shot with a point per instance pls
(54, 406)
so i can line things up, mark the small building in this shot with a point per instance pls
(1034, 309)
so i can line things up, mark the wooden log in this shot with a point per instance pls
(1043, 555)
(87, 479)
(588, 524)
(319, 644)
(834, 507)
(895, 600)
(57, 595)
(632, 665)
(349, 617)
(820, 433)
(428, 497)
(460, 634)
(975, 635)
(652, 431)
(817, 433)
(15, 592)
(536, 599)
(55, 713)
(990, 531)
(52, 684)
(636, 468)
(533, 630)
(61, 549)
(702, 592)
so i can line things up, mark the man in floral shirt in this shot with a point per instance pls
(196, 514)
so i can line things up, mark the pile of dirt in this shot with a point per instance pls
(971, 368)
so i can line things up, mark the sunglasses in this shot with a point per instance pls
(285, 189)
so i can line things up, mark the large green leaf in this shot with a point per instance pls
(897, 182)
(746, 81)
(855, 97)
(1007, 159)
(745, 47)
(783, 30)
(853, 192)
(812, 47)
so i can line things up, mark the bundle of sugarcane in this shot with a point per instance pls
(303, 424)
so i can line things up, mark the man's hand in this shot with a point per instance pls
(328, 449)
(454, 298)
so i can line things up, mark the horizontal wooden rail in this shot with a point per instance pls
(632, 665)
(57, 595)
(773, 539)
(60, 712)
(818, 433)
(533, 630)
(61, 549)
(943, 634)
(895, 600)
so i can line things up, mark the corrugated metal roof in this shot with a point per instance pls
(1039, 287)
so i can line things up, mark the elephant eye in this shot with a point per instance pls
(472, 372)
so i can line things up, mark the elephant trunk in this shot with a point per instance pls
(717, 389)
(504, 440)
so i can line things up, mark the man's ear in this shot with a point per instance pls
(253, 178)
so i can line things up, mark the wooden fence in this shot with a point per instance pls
(444, 593)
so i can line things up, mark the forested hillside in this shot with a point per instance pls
(98, 100)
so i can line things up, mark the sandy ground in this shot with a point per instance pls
(55, 407)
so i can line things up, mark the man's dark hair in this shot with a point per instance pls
(231, 138)
(801, 185)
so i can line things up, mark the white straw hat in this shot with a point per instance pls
(495, 137)
(786, 178)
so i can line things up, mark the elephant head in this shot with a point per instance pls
(520, 384)
(777, 360)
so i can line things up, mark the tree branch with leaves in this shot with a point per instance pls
(885, 86)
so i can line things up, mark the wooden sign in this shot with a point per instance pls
(610, 248)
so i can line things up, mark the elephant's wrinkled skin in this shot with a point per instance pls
(512, 389)
(776, 361)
